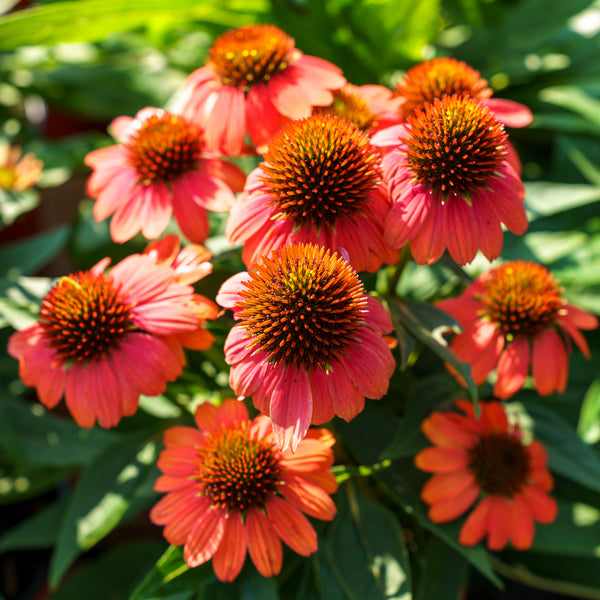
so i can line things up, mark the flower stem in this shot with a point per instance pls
(398, 268)
(344, 472)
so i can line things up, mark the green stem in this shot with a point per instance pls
(343, 473)
(398, 269)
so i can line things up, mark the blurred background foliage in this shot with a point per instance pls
(74, 503)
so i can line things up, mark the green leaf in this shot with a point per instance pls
(545, 198)
(113, 574)
(426, 324)
(171, 576)
(575, 99)
(444, 572)
(95, 19)
(14, 204)
(26, 256)
(588, 426)
(20, 300)
(102, 496)
(366, 550)
(575, 532)
(568, 455)
(38, 531)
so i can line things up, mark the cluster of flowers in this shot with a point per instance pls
(350, 175)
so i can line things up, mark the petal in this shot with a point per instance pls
(460, 230)
(308, 497)
(543, 508)
(521, 524)
(444, 486)
(264, 546)
(181, 523)
(442, 460)
(444, 430)
(550, 364)
(229, 558)
(476, 524)
(499, 523)
(453, 506)
(512, 369)
(291, 526)
(205, 537)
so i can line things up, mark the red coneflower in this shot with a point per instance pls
(320, 183)
(158, 169)
(452, 181)
(514, 319)
(485, 461)
(255, 81)
(309, 342)
(230, 489)
(103, 339)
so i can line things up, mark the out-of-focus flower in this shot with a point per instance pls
(159, 168)
(447, 76)
(452, 181)
(485, 461)
(18, 173)
(320, 183)
(255, 81)
(103, 339)
(368, 107)
(230, 489)
(514, 319)
(309, 342)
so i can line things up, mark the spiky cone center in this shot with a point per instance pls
(439, 77)
(320, 169)
(455, 145)
(237, 470)
(164, 148)
(500, 464)
(521, 298)
(83, 317)
(303, 307)
(249, 55)
(350, 107)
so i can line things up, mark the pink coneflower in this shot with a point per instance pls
(484, 461)
(231, 490)
(158, 169)
(308, 344)
(255, 81)
(18, 173)
(447, 76)
(103, 339)
(368, 107)
(514, 319)
(320, 183)
(452, 182)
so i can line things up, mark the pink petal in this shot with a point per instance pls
(76, 397)
(205, 537)
(460, 230)
(191, 218)
(509, 112)
(263, 119)
(428, 244)
(226, 127)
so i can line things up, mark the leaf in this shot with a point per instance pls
(20, 300)
(14, 204)
(26, 256)
(38, 531)
(366, 550)
(545, 198)
(575, 99)
(588, 426)
(426, 324)
(568, 455)
(444, 572)
(93, 20)
(101, 498)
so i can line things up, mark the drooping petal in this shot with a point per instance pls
(229, 558)
(513, 367)
(292, 526)
(205, 537)
(550, 364)
(264, 545)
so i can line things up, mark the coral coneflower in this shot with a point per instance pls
(447, 76)
(368, 107)
(320, 183)
(485, 461)
(452, 182)
(308, 344)
(159, 168)
(255, 81)
(230, 489)
(17, 173)
(103, 339)
(514, 319)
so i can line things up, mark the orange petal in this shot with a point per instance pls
(264, 546)
(292, 526)
(205, 537)
(182, 436)
(229, 558)
(310, 455)
(453, 507)
(307, 496)
(442, 430)
(550, 364)
(441, 460)
(543, 508)
(512, 369)
(521, 524)
(499, 523)
(182, 522)
(446, 485)
(476, 524)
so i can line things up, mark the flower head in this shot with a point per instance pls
(485, 461)
(440, 77)
(514, 319)
(255, 81)
(308, 343)
(102, 339)
(230, 489)
(368, 107)
(17, 173)
(453, 181)
(159, 168)
(320, 183)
